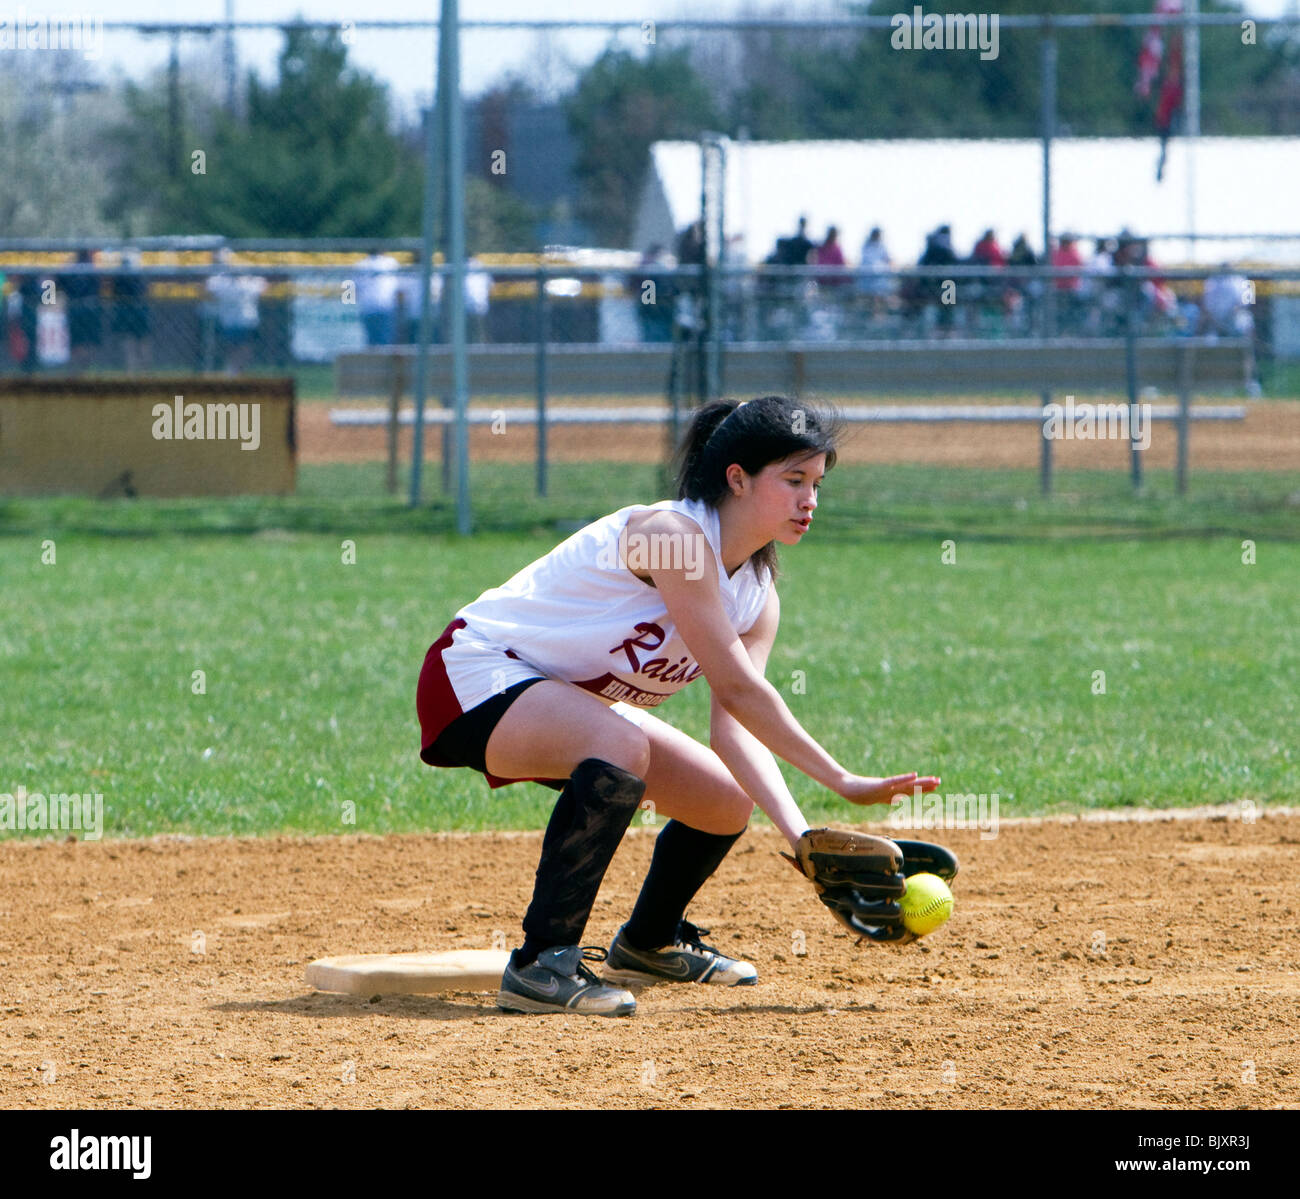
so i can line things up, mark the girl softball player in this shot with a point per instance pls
(551, 677)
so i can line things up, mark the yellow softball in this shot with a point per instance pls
(926, 904)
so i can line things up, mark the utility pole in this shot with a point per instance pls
(228, 60)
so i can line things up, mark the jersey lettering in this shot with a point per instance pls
(646, 629)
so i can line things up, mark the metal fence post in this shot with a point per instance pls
(676, 384)
(1131, 374)
(543, 333)
(1048, 75)
(454, 146)
(448, 433)
(1186, 358)
(426, 302)
(713, 187)
(1045, 456)
(397, 386)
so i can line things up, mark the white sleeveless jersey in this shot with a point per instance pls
(579, 614)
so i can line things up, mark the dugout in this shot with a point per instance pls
(179, 436)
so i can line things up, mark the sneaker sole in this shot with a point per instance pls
(639, 978)
(508, 1001)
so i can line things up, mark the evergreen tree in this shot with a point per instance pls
(316, 155)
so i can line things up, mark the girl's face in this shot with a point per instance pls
(784, 496)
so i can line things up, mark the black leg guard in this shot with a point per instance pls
(589, 820)
(684, 859)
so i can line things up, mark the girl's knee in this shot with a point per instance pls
(629, 750)
(738, 816)
(726, 820)
(638, 752)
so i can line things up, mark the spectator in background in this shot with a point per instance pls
(1102, 261)
(992, 299)
(478, 290)
(873, 272)
(236, 299)
(130, 319)
(1098, 297)
(1069, 288)
(1159, 303)
(406, 306)
(690, 245)
(478, 293)
(377, 287)
(1116, 301)
(1125, 251)
(1225, 308)
(85, 312)
(30, 291)
(1065, 254)
(830, 254)
(1226, 311)
(792, 251)
(1025, 291)
(1022, 253)
(928, 292)
(654, 305)
(987, 252)
(16, 342)
(1154, 299)
(687, 309)
(799, 247)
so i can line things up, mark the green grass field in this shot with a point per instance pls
(982, 671)
(902, 501)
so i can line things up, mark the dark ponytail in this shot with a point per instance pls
(754, 434)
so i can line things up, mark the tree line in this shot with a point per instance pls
(319, 151)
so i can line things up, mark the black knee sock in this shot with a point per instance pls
(586, 827)
(683, 859)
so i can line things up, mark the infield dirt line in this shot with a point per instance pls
(1236, 811)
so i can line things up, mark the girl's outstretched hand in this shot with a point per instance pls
(860, 789)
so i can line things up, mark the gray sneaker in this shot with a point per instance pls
(687, 960)
(559, 982)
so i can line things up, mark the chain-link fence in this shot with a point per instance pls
(234, 309)
(248, 197)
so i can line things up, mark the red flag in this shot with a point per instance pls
(1171, 100)
(1153, 49)
(1171, 88)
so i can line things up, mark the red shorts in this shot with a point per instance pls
(451, 735)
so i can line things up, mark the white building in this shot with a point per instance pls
(908, 188)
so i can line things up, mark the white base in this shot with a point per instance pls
(410, 973)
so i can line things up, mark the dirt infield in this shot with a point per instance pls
(1268, 439)
(1087, 965)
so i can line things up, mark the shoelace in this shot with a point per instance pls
(591, 953)
(689, 937)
